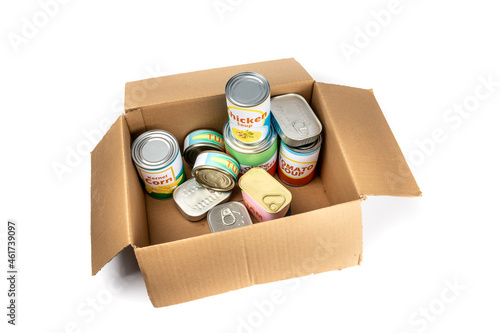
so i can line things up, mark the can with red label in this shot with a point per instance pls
(298, 164)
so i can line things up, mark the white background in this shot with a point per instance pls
(66, 78)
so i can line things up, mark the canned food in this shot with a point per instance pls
(201, 140)
(263, 154)
(215, 170)
(158, 160)
(228, 216)
(294, 120)
(264, 196)
(194, 200)
(249, 106)
(298, 164)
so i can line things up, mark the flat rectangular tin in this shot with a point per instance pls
(228, 216)
(294, 120)
(194, 200)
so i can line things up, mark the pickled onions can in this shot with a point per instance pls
(298, 164)
(264, 196)
(158, 160)
(199, 141)
(249, 106)
(263, 154)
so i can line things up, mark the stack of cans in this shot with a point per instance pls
(245, 153)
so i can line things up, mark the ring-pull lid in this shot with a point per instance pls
(274, 201)
(227, 216)
(294, 120)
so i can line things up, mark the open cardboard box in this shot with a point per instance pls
(181, 260)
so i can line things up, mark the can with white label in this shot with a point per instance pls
(158, 160)
(215, 170)
(249, 106)
(298, 164)
(263, 154)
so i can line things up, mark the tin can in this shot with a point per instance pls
(158, 160)
(229, 215)
(201, 140)
(249, 106)
(298, 164)
(264, 196)
(194, 201)
(294, 120)
(215, 170)
(263, 154)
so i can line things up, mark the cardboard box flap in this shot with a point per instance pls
(174, 88)
(118, 215)
(373, 156)
(184, 270)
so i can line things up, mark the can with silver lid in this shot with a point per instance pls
(201, 140)
(294, 120)
(298, 164)
(249, 106)
(228, 216)
(194, 201)
(215, 170)
(264, 196)
(263, 154)
(158, 160)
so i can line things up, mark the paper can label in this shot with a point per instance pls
(295, 168)
(252, 124)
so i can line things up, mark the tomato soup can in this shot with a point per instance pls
(215, 170)
(264, 196)
(263, 154)
(158, 160)
(298, 164)
(201, 140)
(249, 106)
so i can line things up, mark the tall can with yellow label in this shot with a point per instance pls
(158, 160)
(249, 106)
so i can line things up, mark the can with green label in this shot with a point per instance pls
(263, 154)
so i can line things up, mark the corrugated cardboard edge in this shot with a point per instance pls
(117, 220)
(180, 271)
(375, 161)
(208, 83)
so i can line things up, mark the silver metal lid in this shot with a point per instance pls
(294, 120)
(247, 89)
(227, 216)
(308, 148)
(154, 149)
(248, 148)
(194, 200)
(191, 152)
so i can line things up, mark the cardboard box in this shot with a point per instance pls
(181, 260)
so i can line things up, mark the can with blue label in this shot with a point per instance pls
(215, 170)
(199, 141)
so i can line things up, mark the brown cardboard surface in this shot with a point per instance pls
(179, 87)
(361, 133)
(118, 216)
(318, 241)
(166, 224)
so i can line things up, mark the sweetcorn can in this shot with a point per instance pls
(158, 160)
(249, 106)
(263, 154)
(194, 201)
(229, 215)
(215, 170)
(294, 120)
(264, 196)
(298, 164)
(201, 140)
